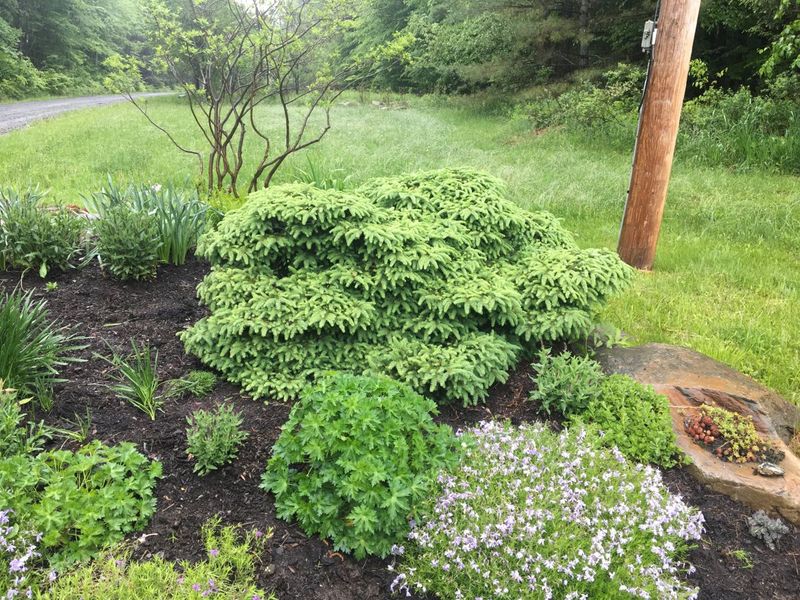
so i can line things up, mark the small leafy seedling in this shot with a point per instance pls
(196, 383)
(80, 429)
(768, 530)
(743, 556)
(213, 438)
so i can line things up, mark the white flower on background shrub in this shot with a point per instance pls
(534, 514)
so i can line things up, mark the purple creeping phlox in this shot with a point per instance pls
(529, 513)
(18, 555)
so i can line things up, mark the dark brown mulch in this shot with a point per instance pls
(294, 565)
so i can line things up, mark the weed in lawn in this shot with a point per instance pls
(213, 438)
(316, 174)
(137, 379)
(33, 348)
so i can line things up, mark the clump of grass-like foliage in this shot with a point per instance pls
(534, 514)
(435, 279)
(32, 347)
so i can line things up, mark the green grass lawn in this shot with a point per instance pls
(728, 270)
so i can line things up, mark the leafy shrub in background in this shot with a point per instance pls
(32, 347)
(435, 279)
(128, 243)
(229, 572)
(355, 459)
(566, 383)
(179, 217)
(80, 501)
(635, 419)
(17, 436)
(213, 438)
(735, 128)
(34, 238)
(534, 514)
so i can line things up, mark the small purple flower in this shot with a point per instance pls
(214, 552)
(16, 566)
(196, 587)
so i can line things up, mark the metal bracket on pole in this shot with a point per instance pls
(649, 36)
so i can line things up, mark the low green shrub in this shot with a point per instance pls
(80, 501)
(180, 217)
(17, 435)
(213, 438)
(355, 459)
(229, 572)
(435, 279)
(635, 419)
(566, 384)
(33, 348)
(530, 513)
(34, 238)
(128, 243)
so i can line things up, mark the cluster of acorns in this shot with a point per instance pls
(702, 429)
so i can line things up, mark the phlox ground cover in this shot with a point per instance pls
(534, 514)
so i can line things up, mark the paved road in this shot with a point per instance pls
(19, 114)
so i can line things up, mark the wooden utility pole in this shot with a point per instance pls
(658, 129)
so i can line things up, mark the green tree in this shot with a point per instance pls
(229, 58)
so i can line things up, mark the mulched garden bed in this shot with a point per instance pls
(295, 566)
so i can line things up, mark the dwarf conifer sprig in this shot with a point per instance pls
(434, 278)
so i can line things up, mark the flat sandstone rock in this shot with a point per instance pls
(689, 379)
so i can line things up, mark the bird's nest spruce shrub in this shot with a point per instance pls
(435, 279)
(529, 513)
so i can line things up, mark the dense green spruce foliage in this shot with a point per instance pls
(435, 279)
